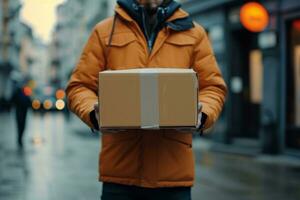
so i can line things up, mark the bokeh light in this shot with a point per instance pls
(47, 104)
(60, 94)
(36, 104)
(60, 104)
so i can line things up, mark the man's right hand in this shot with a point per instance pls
(97, 116)
(94, 117)
(96, 109)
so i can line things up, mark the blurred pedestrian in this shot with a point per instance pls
(21, 101)
(147, 164)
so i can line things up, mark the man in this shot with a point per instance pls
(22, 102)
(146, 164)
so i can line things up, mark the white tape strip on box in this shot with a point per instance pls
(149, 100)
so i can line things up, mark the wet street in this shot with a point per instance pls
(60, 162)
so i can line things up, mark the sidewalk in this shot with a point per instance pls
(206, 145)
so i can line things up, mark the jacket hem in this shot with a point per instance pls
(145, 183)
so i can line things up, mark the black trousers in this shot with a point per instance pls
(111, 191)
(21, 113)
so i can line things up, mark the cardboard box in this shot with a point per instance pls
(148, 98)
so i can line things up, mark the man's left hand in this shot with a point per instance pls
(199, 122)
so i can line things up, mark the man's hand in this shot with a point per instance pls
(97, 115)
(199, 115)
(199, 122)
(96, 109)
(94, 117)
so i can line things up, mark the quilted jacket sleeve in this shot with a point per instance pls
(82, 88)
(212, 88)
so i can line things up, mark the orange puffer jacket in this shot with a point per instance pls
(146, 158)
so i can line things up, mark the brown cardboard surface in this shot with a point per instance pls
(178, 99)
(119, 100)
(120, 97)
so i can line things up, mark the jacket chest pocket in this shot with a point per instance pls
(122, 51)
(178, 50)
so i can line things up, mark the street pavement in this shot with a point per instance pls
(60, 158)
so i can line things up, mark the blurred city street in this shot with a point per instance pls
(60, 159)
(51, 52)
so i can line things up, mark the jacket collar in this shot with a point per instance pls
(179, 14)
(121, 12)
(179, 21)
(127, 10)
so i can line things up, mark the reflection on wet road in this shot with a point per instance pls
(57, 163)
(60, 162)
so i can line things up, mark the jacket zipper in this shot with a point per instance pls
(149, 42)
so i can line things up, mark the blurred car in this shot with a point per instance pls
(48, 99)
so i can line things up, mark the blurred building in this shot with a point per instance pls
(33, 58)
(19, 51)
(10, 37)
(26, 57)
(75, 20)
(40, 66)
(262, 70)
